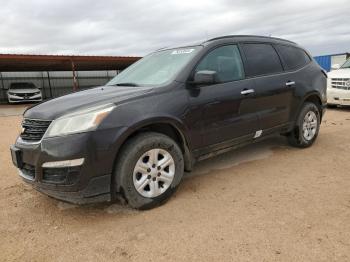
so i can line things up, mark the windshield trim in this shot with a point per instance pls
(178, 47)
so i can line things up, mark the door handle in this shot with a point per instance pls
(290, 83)
(247, 91)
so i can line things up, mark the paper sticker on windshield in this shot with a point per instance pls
(182, 51)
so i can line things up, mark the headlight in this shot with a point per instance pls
(81, 121)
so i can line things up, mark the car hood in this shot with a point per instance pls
(340, 73)
(24, 90)
(60, 106)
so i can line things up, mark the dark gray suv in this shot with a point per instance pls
(134, 137)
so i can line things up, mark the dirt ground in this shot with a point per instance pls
(265, 202)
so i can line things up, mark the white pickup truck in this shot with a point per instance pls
(338, 86)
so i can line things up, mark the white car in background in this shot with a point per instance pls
(24, 92)
(338, 85)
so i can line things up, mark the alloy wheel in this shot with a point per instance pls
(310, 125)
(154, 172)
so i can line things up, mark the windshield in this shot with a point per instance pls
(155, 69)
(346, 64)
(21, 85)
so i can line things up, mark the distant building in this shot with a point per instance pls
(326, 61)
(57, 75)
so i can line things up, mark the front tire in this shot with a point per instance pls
(306, 127)
(149, 169)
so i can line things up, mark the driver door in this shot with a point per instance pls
(226, 107)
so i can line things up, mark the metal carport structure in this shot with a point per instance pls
(44, 64)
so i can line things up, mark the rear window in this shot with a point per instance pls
(262, 59)
(293, 57)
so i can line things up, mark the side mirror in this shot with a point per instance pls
(204, 77)
(335, 66)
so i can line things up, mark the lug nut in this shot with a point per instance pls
(153, 165)
(149, 177)
(154, 179)
(159, 174)
(148, 170)
(158, 167)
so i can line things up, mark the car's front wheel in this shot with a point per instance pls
(306, 127)
(148, 170)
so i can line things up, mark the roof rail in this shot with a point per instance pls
(257, 36)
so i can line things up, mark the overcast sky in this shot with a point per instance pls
(136, 27)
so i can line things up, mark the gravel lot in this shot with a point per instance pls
(265, 202)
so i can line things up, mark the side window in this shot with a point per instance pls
(262, 59)
(225, 61)
(293, 57)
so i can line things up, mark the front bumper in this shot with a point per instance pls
(19, 99)
(98, 190)
(88, 182)
(338, 97)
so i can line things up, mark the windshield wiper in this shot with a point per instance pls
(125, 84)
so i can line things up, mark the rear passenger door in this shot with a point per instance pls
(295, 61)
(273, 88)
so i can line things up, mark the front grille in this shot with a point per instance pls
(33, 130)
(25, 94)
(341, 83)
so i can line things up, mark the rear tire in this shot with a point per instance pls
(306, 127)
(148, 171)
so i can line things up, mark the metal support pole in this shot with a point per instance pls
(43, 92)
(49, 80)
(75, 81)
(3, 87)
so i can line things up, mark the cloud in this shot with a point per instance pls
(139, 26)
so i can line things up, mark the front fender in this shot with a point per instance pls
(147, 121)
(126, 132)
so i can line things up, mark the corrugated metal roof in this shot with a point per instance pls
(27, 63)
(345, 53)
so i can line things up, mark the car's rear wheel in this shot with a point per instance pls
(306, 127)
(149, 169)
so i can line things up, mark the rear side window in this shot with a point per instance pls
(225, 61)
(262, 59)
(293, 57)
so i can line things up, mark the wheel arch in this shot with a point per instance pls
(314, 98)
(170, 127)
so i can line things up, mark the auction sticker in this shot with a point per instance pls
(182, 51)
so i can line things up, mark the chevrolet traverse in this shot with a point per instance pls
(134, 137)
